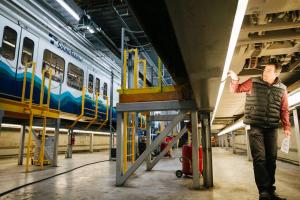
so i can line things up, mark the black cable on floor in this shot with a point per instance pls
(43, 179)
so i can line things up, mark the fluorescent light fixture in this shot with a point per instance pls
(294, 98)
(237, 23)
(4, 125)
(237, 125)
(69, 9)
(91, 132)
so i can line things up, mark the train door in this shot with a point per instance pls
(90, 101)
(9, 48)
(27, 56)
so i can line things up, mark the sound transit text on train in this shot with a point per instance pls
(60, 45)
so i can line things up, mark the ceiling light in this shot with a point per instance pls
(69, 9)
(237, 125)
(90, 29)
(237, 23)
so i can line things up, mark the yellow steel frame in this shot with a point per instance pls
(29, 143)
(125, 128)
(145, 90)
(96, 112)
(82, 108)
(133, 138)
(106, 118)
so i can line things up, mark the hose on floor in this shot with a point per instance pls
(43, 179)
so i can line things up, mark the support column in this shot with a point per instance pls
(233, 142)
(207, 150)
(119, 159)
(297, 132)
(69, 148)
(249, 156)
(21, 146)
(91, 143)
(226, 141)
(56, 142)
(195, 151)
(148, 129)
(111, 139)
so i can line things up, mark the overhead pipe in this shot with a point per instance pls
(150, 61)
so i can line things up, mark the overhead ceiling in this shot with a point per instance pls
(270, 31)
(192, 37)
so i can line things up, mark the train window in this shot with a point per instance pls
(9, 43)
(75, 77)
(54, 62)
(27, 51)
(97, 87)
(104, 90)
(91, 83)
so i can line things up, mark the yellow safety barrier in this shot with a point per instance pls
(125, 142)
(82, 108)
(96, 112)
(106, 114)
(144, 90)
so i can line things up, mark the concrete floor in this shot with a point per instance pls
(233, 180)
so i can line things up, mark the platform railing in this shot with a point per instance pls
(144, 89)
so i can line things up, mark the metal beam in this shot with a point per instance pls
(297, 132)
(165, 117)
(167, 148)
(56, 140)
(148, 128)
(119, 159)
(156, 106)
(195, 150)
(269, 38)
(270, 27)
(121, 180)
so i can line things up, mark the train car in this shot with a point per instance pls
(77, 73)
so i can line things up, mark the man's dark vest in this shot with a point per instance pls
(263, 104)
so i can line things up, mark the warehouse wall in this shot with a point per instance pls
(10, 141)
(292, 156)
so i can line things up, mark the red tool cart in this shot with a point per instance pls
(186, 161)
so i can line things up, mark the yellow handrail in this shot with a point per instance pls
(125, 70)
(133, 138)
(28, 152)
(106, 118)
(82, 108)
(159, 73)
(49, 88)
(135, 69)
(96, 111)
(43, 87)
(24, 81)
(42, 150)
(125, 142)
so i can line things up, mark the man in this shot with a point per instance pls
(266, 104)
